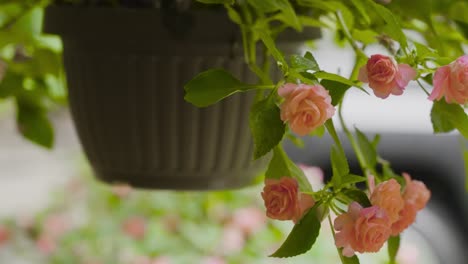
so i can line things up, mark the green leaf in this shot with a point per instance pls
(319, 131)
(30, 24)
(458, 11)
(280, 166)
(393, 27)
(446, 117)
(331, 6)
(337, 78)
(424, 52)
(366, 36)
(358, 196)
(214, 85)
(340, 166)
(352, 260)
(369, 154)
(393, 244)
(428, 78)
(229, 2)
(265, 6)
(266, 126)
(388, 173)
(351, 178)
(302, 237)
(361, 8)
(337, 90)
(271, 46)
(298, 142)
(33, 123)
(282, 5)
(234, 15)
(305, 63)
(10, 84)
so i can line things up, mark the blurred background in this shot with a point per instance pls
(52, 210)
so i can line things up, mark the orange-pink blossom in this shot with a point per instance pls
(385, 76)
(451, 82)
(387, 196)
(361, 229)
(284, 201)
(306, 107)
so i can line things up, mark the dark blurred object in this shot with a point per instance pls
(435, 159)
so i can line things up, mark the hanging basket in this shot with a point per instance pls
(126, 69)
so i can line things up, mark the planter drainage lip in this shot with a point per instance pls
(180, 181)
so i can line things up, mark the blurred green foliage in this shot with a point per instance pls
(33, 75)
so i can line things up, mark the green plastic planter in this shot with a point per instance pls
(126, 69)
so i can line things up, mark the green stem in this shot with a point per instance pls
(359, 154)
(332, 131)
(347, 34)
(334, 238)
(422, 87)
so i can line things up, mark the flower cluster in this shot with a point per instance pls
(392, 211)
(392, 208)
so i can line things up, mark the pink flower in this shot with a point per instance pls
(233, 240)
(135, 227)
(406, 218)
(313, 174)
(408, 254)
(385, 76)
(387, 196)
(161, 260)
(46, 244)
(121, 190)
(249, 220)
(147, 260)
(451, 81)
(213, 260)
(362, 229)
(306, 107)
(416, 192)
(283, 200)
(4, 234)
(55, 226)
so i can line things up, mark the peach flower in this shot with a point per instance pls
(213, 260)
(283, 200)
(4, 234)
(451, 81)
(385, 76)
(46, 244)
(387, 196)
(232, 241)
(362, 229)
(313, 174)
(406, 218)
(56, 225)
(416, 192)
(249, 220)
(134, 227)
(122, 190)
(306, 107)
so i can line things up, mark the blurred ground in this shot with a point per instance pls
(28, 173)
